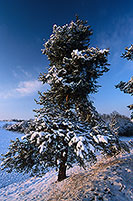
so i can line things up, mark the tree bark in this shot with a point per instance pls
(62, 168)
(62, 172)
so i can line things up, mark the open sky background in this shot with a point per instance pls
(23, 26)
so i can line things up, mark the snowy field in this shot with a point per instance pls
(5, 137)
(14, 186)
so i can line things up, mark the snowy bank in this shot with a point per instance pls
(109, 179)
(16, 186)
(123, 124)
(5, 137)
(21, 127)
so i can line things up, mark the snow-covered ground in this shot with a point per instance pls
(16, 186)
(5, 137)
(109, 179)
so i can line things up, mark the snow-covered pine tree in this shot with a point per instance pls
(128, 54)
(67, 129)
(127, 87)
(114, 124)
(74, 67)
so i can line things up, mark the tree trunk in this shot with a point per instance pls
(62, 172)
(62, 168)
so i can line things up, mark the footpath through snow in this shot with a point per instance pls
(110, 179)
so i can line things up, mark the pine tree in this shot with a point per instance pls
(127, 87)
(67, 129)
(114, 123)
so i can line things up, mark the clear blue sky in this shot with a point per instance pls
(23, 26)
